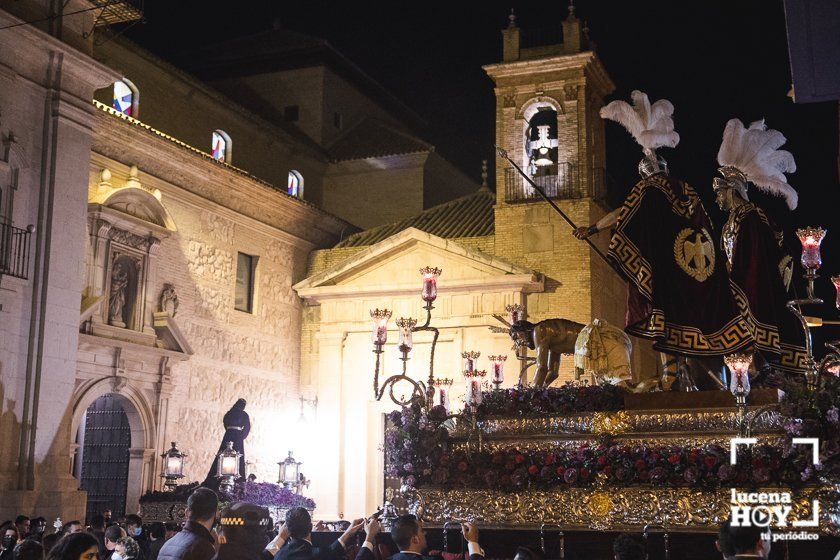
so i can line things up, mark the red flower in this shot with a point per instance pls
(640, 464)
(533, 469)
(549, 459)
(674, 459)
(462, 466)
(710, 461)
(584, 473)
(519, 458)
(655, 457)
(602, 461)
(560, 471)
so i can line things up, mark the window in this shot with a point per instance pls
(295, 184)
(291, 113)
(338, 121)
(125, 97)
(245, 268)
(221, 146)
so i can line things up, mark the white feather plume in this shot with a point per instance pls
(755, 152)
(652, 126)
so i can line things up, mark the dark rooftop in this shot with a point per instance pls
(468, 216)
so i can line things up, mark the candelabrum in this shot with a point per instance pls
(442, 387)
(811, 239)
(739, 385)
(407, 327)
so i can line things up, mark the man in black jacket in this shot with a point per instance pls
(408, 534)
(299, 546)
(194, 542)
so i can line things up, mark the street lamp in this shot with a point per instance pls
(227, 467)
(173, 467)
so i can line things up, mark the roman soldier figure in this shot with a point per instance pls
(759, 269)
(663, 246)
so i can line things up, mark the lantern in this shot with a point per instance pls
(469, 360)
(442, 399)
(811, 238)
(379, 336)
(290, 473)
(227, 467)
(430, 276)
(836, 281)
(739, 365)
(173, 467)
(515, 312)
(473, 380)
(406, 326)
(498, 364)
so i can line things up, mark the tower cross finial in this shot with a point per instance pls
(512, 19)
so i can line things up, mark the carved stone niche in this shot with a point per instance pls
(125, 232)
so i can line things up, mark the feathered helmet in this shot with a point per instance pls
(652, 126)
(753, 155)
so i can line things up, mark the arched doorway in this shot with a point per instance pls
(102, 463)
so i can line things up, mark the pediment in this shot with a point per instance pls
(393, 265)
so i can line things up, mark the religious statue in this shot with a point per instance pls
(551, 339)
(237, 426)
(663, 247)
(117, 295)
(759, 269)
(169, 300)
(604, 352)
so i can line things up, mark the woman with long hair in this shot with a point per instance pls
(75, 546)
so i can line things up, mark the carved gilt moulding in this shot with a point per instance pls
(722, 420)
(608, 509)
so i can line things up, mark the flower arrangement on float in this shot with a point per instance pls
(419, 447)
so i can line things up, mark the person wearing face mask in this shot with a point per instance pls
(126, 549)
(134, 529)
(37, 529)
(8, 541)
(112, 536)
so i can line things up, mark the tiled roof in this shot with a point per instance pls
(372, 138)
(468, 216)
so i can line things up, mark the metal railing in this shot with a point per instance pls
(14, 250)
(564, 180)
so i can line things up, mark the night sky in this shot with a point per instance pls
(714, 60)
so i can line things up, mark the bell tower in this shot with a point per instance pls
(547, 103)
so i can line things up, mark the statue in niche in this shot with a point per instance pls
(116, 298)
(169, 300)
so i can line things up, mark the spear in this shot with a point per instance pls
(503, 153)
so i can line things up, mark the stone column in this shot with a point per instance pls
(327, 470)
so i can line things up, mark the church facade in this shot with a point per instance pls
(153, 227)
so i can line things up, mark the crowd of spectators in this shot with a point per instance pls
(245, 531)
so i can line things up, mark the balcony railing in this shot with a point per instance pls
(562, 181)
(14, 251)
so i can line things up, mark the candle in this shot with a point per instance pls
(811, 238)
(405, 325)
(443, 386)
(498, 368)
(380, 317)
(515, 312)
(430, 275)
(739, 365)
(469, 360)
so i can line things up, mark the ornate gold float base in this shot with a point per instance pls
(610, 509)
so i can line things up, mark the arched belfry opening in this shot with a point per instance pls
(541, 142)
